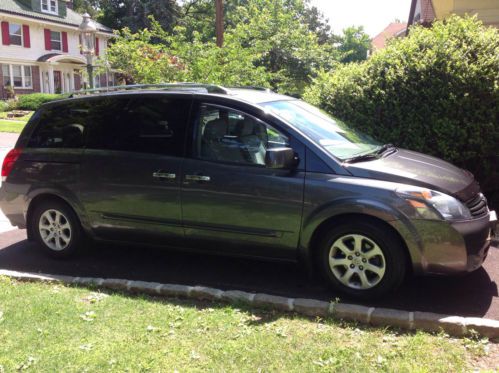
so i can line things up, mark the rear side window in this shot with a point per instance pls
(62, 126)
(150, 124)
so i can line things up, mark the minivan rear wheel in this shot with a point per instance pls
(56, 228)
(362, 259)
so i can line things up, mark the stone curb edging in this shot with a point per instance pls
(432, 322)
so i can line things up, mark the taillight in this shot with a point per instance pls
(9, 161)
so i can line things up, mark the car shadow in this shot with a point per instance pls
(469, 295)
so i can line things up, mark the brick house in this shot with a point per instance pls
(40, 47)
(393, 30)
(426, 11)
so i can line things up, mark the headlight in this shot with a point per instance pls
(430, 204)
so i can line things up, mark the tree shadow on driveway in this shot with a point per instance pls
(473, 295)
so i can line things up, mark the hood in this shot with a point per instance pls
(408, 167)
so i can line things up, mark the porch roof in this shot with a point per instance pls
(57, 57)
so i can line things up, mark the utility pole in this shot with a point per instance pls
(219, 22)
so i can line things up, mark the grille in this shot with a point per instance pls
(477, 205)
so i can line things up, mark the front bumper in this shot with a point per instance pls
(454, 248)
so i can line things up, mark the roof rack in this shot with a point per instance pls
(256, 88)
(191, 87)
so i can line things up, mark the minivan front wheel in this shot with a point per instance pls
(362, 259)
(56, 228)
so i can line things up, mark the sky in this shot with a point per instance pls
(374, 15)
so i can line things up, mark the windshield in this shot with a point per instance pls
(333, 135)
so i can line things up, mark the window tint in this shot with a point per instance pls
(146, 125)
(230, 136)
(61, 127)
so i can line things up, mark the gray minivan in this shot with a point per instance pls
(241, 171)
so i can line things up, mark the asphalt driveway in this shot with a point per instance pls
(473, 295)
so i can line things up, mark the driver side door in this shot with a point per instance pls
(231, 202)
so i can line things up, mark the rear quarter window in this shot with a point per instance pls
(61, 126)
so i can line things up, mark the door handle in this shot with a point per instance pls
(163, 175)
(197, 178)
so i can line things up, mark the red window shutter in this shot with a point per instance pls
(5, 33)
(48, 46)
(96, 46)
(64, 41)
(26, 37)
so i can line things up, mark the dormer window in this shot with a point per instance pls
(49, 6)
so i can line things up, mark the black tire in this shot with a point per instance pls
(70, 247)
(391, 246)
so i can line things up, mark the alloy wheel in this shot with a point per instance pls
(357, 261)
(55, 230)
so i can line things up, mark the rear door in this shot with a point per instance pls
(231, 202)
(51, 158)
(130, 177)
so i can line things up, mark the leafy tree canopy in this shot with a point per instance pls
(435, 91)
(354, 44)
(266, 43)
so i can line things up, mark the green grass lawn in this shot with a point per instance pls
(54, 328)
(13, 125)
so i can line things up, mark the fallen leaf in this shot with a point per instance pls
(151, 328)
(94, 297)
(23, 366)
(88, 316)
(195, 355)
(86, 347)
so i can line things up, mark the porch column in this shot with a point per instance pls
(72, 80)
(51, 80)
(42, 82)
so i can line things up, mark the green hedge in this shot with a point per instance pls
(435, 91)
(3, 106)
(34, 100)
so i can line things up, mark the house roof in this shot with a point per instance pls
(71, 19)
(422, 11)
(427, 11)
(392, 30)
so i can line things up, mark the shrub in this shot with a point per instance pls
(3, 106)
(34, 100)
(435, 91)
(9, 92)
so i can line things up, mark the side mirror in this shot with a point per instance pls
(283, 158)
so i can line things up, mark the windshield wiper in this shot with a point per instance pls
(384, 148)
(363, 157)
(370, 156)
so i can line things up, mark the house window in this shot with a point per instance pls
(97, 81)
(55, 40)
(49, 6)
(28, 81)
(18, 76)
(15, 34)
(6, 75)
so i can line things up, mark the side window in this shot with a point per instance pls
(148, 124)
(230, 136)
(62, 126)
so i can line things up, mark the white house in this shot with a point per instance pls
(40, 47)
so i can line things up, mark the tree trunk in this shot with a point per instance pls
(219, 22)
